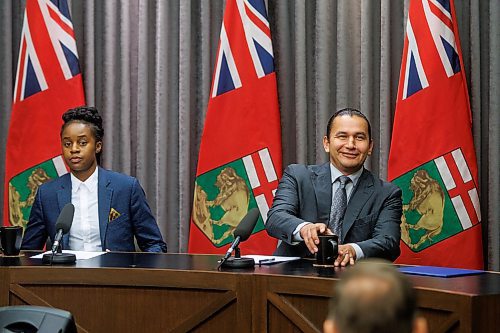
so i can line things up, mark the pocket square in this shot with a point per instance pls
(113, 215)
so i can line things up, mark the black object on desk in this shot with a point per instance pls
(59, 258)
(238, 262)
(63, 225)
(241, 233)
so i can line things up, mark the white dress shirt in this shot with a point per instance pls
(84, 234)
(335, 185)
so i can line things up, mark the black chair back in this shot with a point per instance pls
(35, 319)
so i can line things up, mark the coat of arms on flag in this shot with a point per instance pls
(440, 200)
(23, 187)
(224, 195)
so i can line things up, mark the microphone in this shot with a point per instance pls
(242, 231)
(63, 224)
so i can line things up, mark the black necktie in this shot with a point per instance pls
(339, 204)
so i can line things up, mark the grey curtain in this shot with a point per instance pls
(147, 66)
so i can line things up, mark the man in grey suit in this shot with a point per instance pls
(303, 207)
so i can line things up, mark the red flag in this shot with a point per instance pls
(432, 154)
(239, 163)
(48, 82)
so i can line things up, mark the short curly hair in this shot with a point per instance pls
(89, 116)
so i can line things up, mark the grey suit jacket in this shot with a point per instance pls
(372, 218)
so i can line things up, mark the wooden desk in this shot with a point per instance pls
(139, 292)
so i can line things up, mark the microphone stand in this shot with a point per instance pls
(237, 261)
(59, 257)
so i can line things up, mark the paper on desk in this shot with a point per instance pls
(269, 260)
(80, 255)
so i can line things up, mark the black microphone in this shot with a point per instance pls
(63, 224)
(243, 230)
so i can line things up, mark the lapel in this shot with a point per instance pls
(322, 184)
(64, 191)
(104, 196)
(63, 198)
(361, 193)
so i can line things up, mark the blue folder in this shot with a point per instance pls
(438, 271)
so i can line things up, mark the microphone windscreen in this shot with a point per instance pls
(245, 227)
(65, 218)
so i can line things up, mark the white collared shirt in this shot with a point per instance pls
(84, 234)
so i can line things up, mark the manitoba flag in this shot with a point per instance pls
(432, 156)
(240, 153)
(48, 82)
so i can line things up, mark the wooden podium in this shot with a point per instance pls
(143, 292)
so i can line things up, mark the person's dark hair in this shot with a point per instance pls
(348, 112)
(89, 116)
(373, 296)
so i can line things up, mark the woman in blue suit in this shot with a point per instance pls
(110, 207)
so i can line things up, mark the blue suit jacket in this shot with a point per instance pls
(372, 218)
(115, 190)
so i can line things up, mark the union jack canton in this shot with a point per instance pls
(232, 55)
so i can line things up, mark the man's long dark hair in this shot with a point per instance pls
(348, 112)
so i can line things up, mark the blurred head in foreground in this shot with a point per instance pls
(374, 296)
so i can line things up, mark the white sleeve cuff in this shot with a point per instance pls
(359, 252)
(296, 238)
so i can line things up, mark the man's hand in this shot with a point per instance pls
(310, 232)
(347, 256)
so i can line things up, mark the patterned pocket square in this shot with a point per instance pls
(113, 215)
